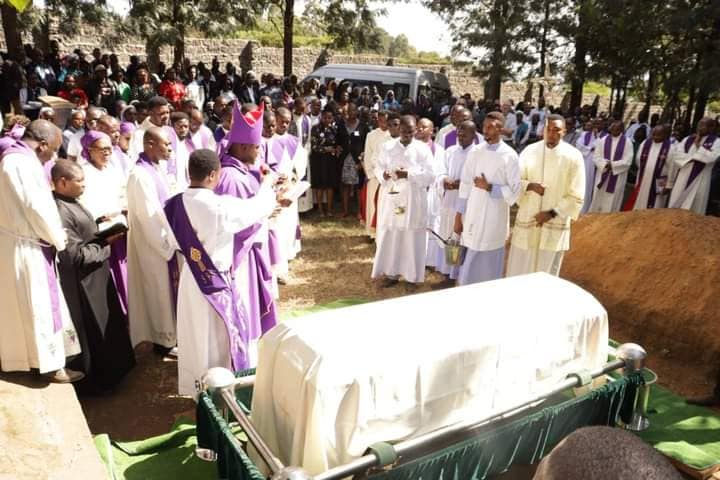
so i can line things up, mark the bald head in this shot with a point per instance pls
(408, 127)
(110, 126)
(156, 144)
(424, 130)
(706, 126)
(44, 138)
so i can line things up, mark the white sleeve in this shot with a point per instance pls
(512, 189)
(423, 174)
(598, 156)
(381, 165)
(240, 213)
(145, 207)
(30, 187)
(467, 176)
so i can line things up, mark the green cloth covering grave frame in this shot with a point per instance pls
(523, 440)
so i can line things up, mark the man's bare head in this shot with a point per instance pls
(424, 129)
(466, 133)
(156, 144)
(44, 138)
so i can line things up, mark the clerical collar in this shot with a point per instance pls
(64, 198)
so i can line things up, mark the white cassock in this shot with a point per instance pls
(204, 138)
(29, 218)
(434, 250)
(649, 178)
(105, 193)
(179, 179)
(455, 158)
(287, 221)
(486, 215)
(151, 244)
(693, 195)
(402, 216)
(562, 172)
(202, 336)
(603, 200)
(586, 144)
(373, 142)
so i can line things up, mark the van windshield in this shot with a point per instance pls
(401, 90)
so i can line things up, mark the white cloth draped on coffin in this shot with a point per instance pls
(331, 384)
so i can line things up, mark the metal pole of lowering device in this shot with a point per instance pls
(629, 356)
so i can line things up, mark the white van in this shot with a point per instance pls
(404, 82)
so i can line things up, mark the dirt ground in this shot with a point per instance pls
(335, 262)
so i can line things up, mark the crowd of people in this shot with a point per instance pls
(166, 187)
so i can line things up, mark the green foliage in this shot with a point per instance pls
(596, 88)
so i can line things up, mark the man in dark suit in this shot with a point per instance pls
(248, 92)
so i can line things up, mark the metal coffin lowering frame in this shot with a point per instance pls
(220, 385)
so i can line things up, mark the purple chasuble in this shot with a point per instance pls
(607, 176)
(662, 156)
(697, 166)
(216, 287)
(238, 180)
(49, 252)
(451, 139)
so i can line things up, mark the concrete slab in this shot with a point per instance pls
(43, 432)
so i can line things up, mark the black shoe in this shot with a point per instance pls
(161, 350)
(709, 401)
(388, 282)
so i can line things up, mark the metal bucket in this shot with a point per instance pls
(454, 253)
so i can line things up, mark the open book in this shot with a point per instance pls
(296, 190)
(116, 224)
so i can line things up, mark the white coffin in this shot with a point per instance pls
(332, 383)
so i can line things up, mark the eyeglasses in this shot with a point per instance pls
(106, 150)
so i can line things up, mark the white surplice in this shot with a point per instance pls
(287, 221)
(694, 196)
(486, 220)
(204, 138)
(402, 216)
(604, 201)
(151, 244)
(104, 193)
(562, 172)
(29, 217)
(434, 250)
(373, 142)
(586, 144)
(648, 179)
(442, 133)
(451, 170)
(202, 336)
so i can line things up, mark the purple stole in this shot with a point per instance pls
(172, 163)
(586, 138)
(697, 166)
(305, 129)
(607, 175)
(161, 185)
(662, 156)
(49, 252)
(219, 133)
(431, 144)
(275, 152)
(248, 247)
(451, 139)
(215, 286)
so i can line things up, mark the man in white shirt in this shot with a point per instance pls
(613, 157)
(552, 177)
(75, 125)
(641, 123)
(158, 116)
(698, 153)
(404, 170)
(489, 184)
(195, 90)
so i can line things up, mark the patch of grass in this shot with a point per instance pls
(596, 88)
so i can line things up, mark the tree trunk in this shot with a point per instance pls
(650, 92)
(687, 120)
(152, 52)
(577, 77)
(11, 28)
(543, 48)
(179, 47)
(288, 21)
(612, 95)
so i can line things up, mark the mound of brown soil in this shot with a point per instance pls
(658, 274)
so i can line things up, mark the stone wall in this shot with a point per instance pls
(248, 54)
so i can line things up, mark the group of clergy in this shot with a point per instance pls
(671, 173)
(182, 246)
(426, 197)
